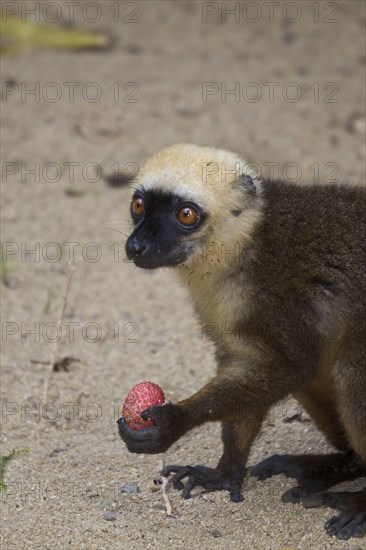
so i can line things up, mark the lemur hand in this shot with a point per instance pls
(155, 439)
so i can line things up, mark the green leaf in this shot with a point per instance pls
(24, 35)
(4, 460)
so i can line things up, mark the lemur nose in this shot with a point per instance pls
(134, 248)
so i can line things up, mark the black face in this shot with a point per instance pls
(165, 224)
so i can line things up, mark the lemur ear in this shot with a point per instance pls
(247, 183)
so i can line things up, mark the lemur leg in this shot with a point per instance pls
(319, 401)
(350, 376)
(319, 471)
(347, 430)
(237, 438)
(314, 472)
(241, 400)
(351, 391)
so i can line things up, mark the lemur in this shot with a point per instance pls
(281, 268)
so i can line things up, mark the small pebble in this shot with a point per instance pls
(355, 124)
(58, 450)
(110, 516)
(135, 49)
(289, 37)
(10, 282)
(130, 488)
(302, 71)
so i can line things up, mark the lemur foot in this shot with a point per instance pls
(352, 521)
(336, 467)
(345, 526)
(316, 473)
(208, 478)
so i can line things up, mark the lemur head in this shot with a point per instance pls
(187, 198)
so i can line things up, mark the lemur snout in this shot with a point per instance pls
(135, 248)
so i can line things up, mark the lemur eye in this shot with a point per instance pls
(187, 216)
(137, 207)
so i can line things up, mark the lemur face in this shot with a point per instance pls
(167, 229)
(189, 199)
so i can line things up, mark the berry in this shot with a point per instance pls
(141, 397)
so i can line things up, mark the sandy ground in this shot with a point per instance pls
(142, 323)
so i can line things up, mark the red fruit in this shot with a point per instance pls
(141, 397)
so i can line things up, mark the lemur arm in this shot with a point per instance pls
(239, 396)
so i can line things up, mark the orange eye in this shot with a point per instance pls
(137, 207)
(187, 216)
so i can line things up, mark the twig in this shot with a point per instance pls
(72, 267)
(168, 506)
(164, 484)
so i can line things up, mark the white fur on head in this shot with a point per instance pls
(200, 174)
(208, 177)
